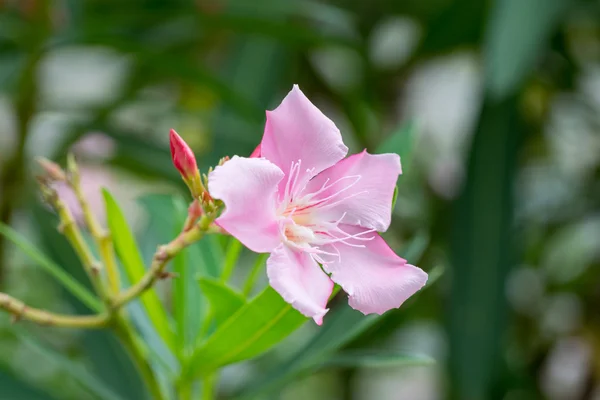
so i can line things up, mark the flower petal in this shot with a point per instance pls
(299, 131)
(300, 281)
(248, 187)
(256, 152)
(374, 277)
(364, 193)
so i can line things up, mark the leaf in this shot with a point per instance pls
(68, 282)
(84, 377)
(212, 255)
(482, 240)
(366, 359)
(224, 301)
(108, 359)
(133, 264)
(187, 298)
(515, 37)
(401, 142)
(339, 328)
(252, 330)
(13, 388)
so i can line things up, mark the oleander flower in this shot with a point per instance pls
(317, 213)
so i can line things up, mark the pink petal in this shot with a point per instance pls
(374, 277)
(299, 131)
(248, 187)
(256, 152)
(300, 281)
(364, 195)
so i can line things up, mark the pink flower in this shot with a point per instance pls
(299, 199)
(183, 157)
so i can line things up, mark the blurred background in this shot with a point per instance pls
(494, 106)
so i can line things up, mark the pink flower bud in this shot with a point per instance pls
(183, 157)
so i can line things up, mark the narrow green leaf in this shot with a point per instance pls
(231, 257)
(133, 264)
(252, 330)
(224, 301)
(68, 282)
(187, 298)
(212, 255)
(85, 378)
(401, 142)
(395, 197)
(515, 37)
(13, 388)
(371, 359)
(482, 252)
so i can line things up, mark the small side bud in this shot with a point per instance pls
(167, 275)
(52, 170)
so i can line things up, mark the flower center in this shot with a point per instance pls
(302, 225)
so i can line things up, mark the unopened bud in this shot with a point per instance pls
(183, 157)
(52, 170)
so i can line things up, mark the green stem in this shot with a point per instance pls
(184, 390)
(256, 268)
(74, 236)
(231, 257)
(139, 357)
(208, 387)
(21, 311)
(162, 257)
(101, 237)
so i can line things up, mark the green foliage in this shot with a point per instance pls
(133, 265)
(210, 69)
(401, 142)
(340, 327)
(224, 301)
(74, 287)
(86, 379)
(254, 328)
(373, 359)
(187, 297)
(515, 40)
(14, 388)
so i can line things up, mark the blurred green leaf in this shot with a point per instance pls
(395, 197)
(212, 255)
(481, 253)
(187, 298)
(133, 264)
(106, 356)
(69, 283)
(401, 142)
(86, 379)
(232, 256)
(253, 329)
(515, 37)
(374, 359)
(340, 327)
(224, 301)
(12, 388)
